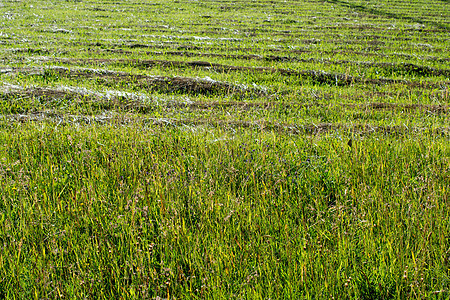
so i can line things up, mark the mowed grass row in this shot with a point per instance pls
(70, 104)
(334, 29)
(142, 211)
(296, 101)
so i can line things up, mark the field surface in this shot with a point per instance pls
(180, 149)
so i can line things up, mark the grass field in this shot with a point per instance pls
(225, 149)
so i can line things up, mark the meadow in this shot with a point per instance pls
(225, 149)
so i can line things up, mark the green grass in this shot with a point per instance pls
(94, 210)
(136, 172)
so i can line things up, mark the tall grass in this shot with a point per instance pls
(111, 212)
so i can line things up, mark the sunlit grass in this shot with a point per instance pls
(183, 213)
(162, 161)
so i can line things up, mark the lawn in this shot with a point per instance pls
(225, 149)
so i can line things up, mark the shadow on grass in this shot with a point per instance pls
(369, 289)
